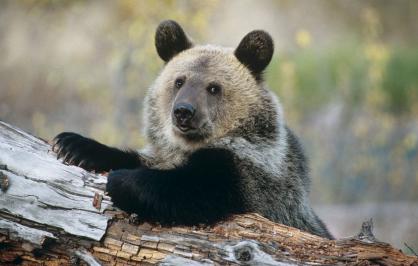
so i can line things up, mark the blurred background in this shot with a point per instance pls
(346, 73)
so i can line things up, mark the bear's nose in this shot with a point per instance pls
(184, 112)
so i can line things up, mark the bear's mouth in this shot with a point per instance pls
(185, 128)
(191, 133)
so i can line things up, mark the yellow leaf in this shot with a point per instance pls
(303, 38)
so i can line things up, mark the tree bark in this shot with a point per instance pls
(54, 214)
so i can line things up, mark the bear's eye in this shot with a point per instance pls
(179, 82)
(214, 89)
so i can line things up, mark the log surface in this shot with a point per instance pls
(45, 191)
(49, 215)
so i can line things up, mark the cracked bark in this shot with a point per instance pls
(54, 214)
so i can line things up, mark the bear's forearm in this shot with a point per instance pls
(198, 192)
(92, 155)
(121, 159)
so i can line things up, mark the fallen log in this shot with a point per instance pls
(55, 214)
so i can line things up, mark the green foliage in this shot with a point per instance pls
(401, 80)
(343, 72)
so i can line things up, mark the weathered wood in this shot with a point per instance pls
(47, 192)
(21, 233)
(54, 214)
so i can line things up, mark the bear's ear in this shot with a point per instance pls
(170, 40)
(255, 51)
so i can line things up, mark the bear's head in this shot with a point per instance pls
(208, 92)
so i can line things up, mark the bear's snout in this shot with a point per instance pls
(183, 114)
